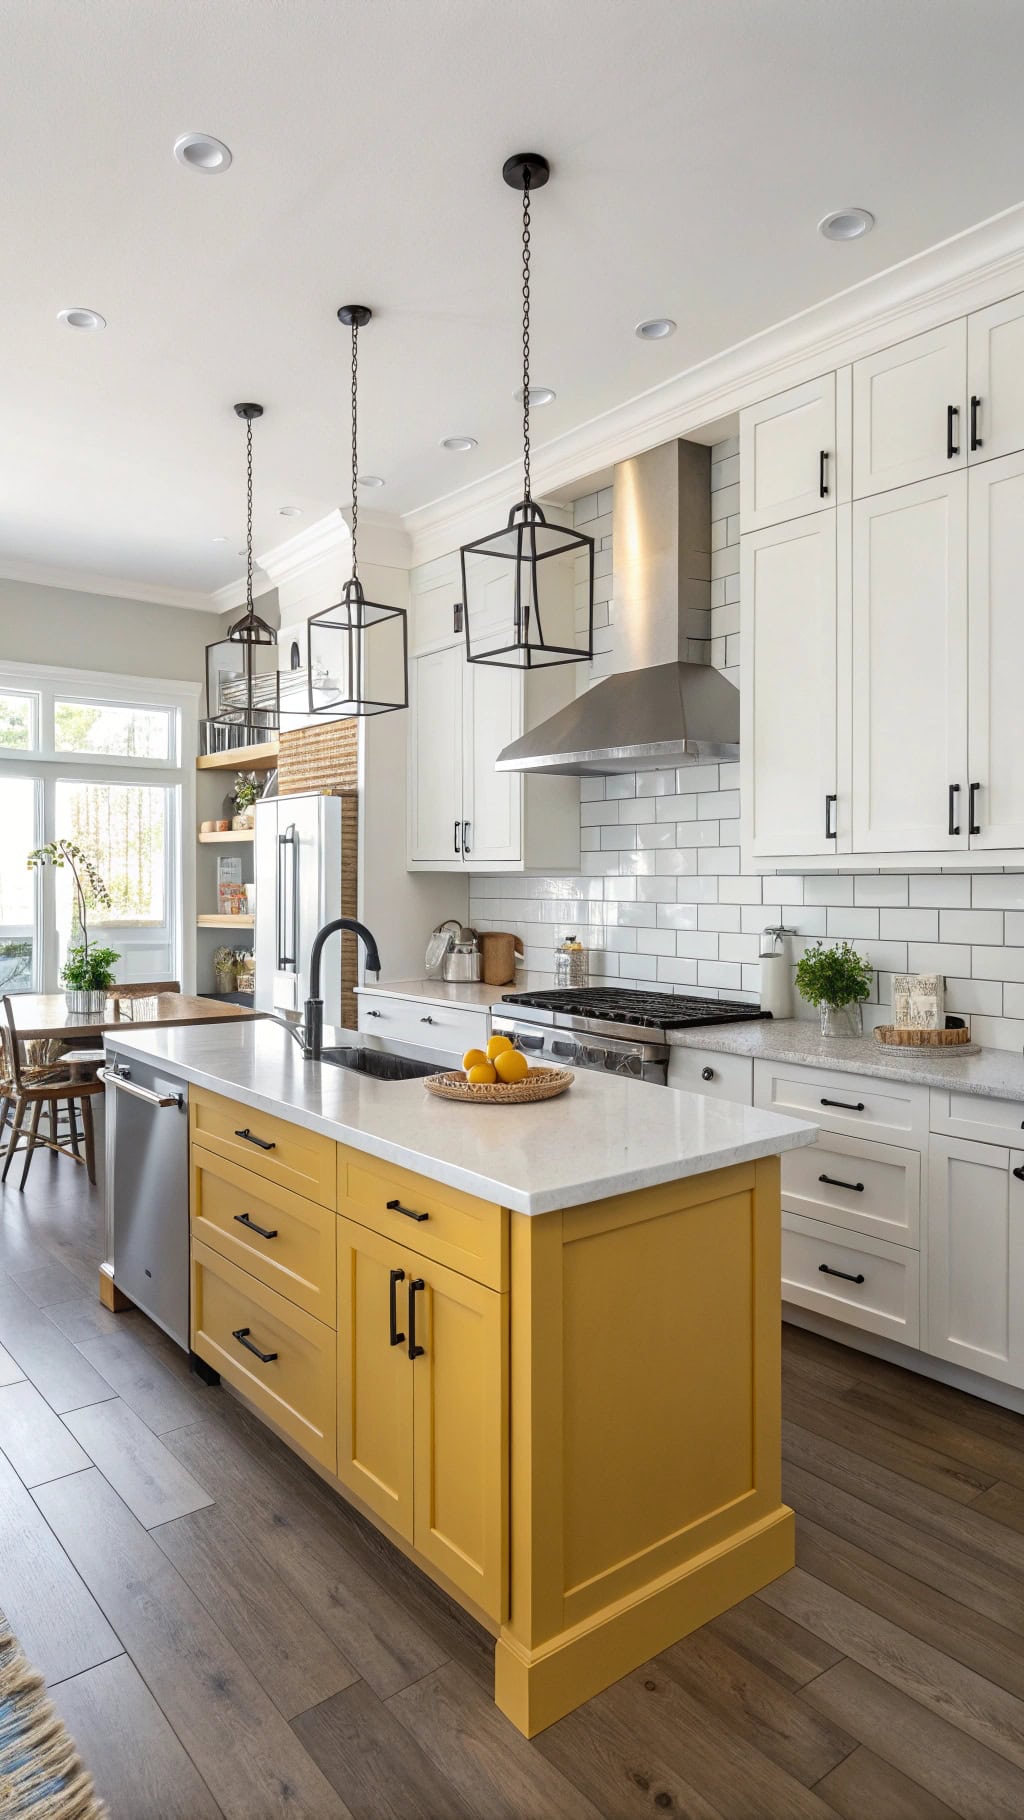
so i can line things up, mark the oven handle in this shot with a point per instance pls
(111, 1079)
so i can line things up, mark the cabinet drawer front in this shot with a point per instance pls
(271, 1147)
(297, 1387)
(429, 1023)
(467, 1234)
(870, 1187)
(725, 1077)
(886, 1301)
(967, 1115)
(280, 1237)
(855, 1104)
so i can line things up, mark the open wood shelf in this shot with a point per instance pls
(241, 758)
(225, 922)
(208, 840)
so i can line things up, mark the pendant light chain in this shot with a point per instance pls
(355, 459)
(526, 334)
(248, 515)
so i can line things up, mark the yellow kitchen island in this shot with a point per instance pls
(538, 1345)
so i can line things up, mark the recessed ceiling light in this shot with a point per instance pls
(289, 511)
(846, 224)
(370, 480)
(82, 319)
(655, 328)
(202, 153)
(539, 394)
(459, 444)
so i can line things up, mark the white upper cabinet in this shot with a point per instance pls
(995, 380)
(788, 464)
(435, 756)
(996, 665)
(788, 789)
(909, 713)
(975, 1306)
(492, 802)
(910, 411)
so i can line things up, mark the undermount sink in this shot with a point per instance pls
(379, 1064)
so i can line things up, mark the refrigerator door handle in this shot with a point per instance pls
(287, 900)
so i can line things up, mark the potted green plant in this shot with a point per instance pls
(244, 797)
(837, 980)
(86, 972)
(224, 969)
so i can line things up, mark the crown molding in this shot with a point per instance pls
(970, 270)
(82, 581)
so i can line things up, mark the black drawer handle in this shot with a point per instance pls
(823, 474)
(845, 1105)
(241, 1334)
(397, 1276)
(410, 1214)
(1019, 1173)
(831, 816)
(265, 1232)
(834, 1182)
(952, 437)
(251, 1138)
(975, 408)
(954, 804)
(973, 825)
(845, 1274)
(415, 1285)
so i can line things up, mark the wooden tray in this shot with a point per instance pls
(894, 1037)
(539, 1084)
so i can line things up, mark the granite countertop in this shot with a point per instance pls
(605, 1136)
(994, 1074)
(470, 996)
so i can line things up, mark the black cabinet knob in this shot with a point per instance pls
(707, 1074)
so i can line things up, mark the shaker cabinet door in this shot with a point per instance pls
(788, 454)
(493, 800)
(975, 1314)
(996, 634)
(435, 757)
(375, 1374)
(909, 410)
(995, 381)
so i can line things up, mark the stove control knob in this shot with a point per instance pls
(707, 1074)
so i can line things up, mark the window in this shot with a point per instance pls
(19, 720)
(18, 886)
(122, 827)
(113, 728)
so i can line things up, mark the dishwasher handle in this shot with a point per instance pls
(111, 1078)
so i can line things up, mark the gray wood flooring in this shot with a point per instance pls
(224, 1637)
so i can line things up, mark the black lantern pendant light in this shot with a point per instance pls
(242, 683)
(358, 649)
(519, 583)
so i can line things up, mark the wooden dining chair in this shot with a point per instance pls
(151, 989)
(36, 1087)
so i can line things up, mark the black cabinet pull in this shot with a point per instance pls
(465, 840)
(455, 838)
(241, 1334)
(1019, 1173)
(265, 1232)
(845, 1274)
(415, 1285)
(834, 1182)
(831, 819)
(397, 1276)
(822, 474)
(410, 1214)
(251, 1138)
(457, 611)
(976, 442)
(846, 1105)
(707, 1074)
(954, 803)
(952, 448)
(973, 825)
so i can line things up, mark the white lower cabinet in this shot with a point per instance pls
(860, 1186)
(724, 1077)
(975, 1314)
(851, 1277)
(429, 1023)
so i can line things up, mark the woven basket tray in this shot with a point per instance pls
(893, 1037)
(539, 1084)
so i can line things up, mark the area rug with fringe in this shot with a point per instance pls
(41, 1774)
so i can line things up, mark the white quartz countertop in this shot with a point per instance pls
(471, 996)
(994, 1074)
(604, 1136)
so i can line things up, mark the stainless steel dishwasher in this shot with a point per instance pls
(147, 1188)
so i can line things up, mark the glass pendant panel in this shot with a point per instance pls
(528, 593)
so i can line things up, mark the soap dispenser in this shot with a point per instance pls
(776, 979)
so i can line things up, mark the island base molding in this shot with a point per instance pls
(536, 1688)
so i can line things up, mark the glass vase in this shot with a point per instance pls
(842, 1020)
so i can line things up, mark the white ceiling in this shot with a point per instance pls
(695, 144)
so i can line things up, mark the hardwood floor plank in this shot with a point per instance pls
(83, 1317)
(10, 1370)
(36, 1442)
(976, 1783)
(57, 1621)
(624, 1777)
(837, 1419)
(976, 1641)
(50, 1282)
(56, 1368)
(375, 1764)
(497, 1772)
(372, 1630)
(792, 1655)
(140, 1767)
(832, 1373)
(976, 1449)
(154, 1485)
(863, 1785)
(289, 1654)
(1005, 1503)
(245, 1752)
(753, 1706)
(143, 1382)
(955, 1693)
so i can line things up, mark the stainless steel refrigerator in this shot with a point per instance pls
(298, 889)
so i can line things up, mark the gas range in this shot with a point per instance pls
(613, 1028)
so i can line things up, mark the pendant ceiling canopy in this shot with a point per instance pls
(242, 684)
(528, 588)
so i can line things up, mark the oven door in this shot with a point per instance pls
(557, 1047)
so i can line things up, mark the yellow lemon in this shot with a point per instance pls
(473, 1058)
(497, 1046)
(482, 1075)
(511, 1065)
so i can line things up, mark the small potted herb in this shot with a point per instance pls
(224, 960)
(244, 797)
(86, 972)
(837, 980)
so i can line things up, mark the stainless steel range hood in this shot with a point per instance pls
(660, 709)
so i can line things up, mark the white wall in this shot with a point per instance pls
(42, 625)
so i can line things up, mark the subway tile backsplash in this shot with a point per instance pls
(660, 899)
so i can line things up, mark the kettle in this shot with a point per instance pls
(461, 964)
(439, 947)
